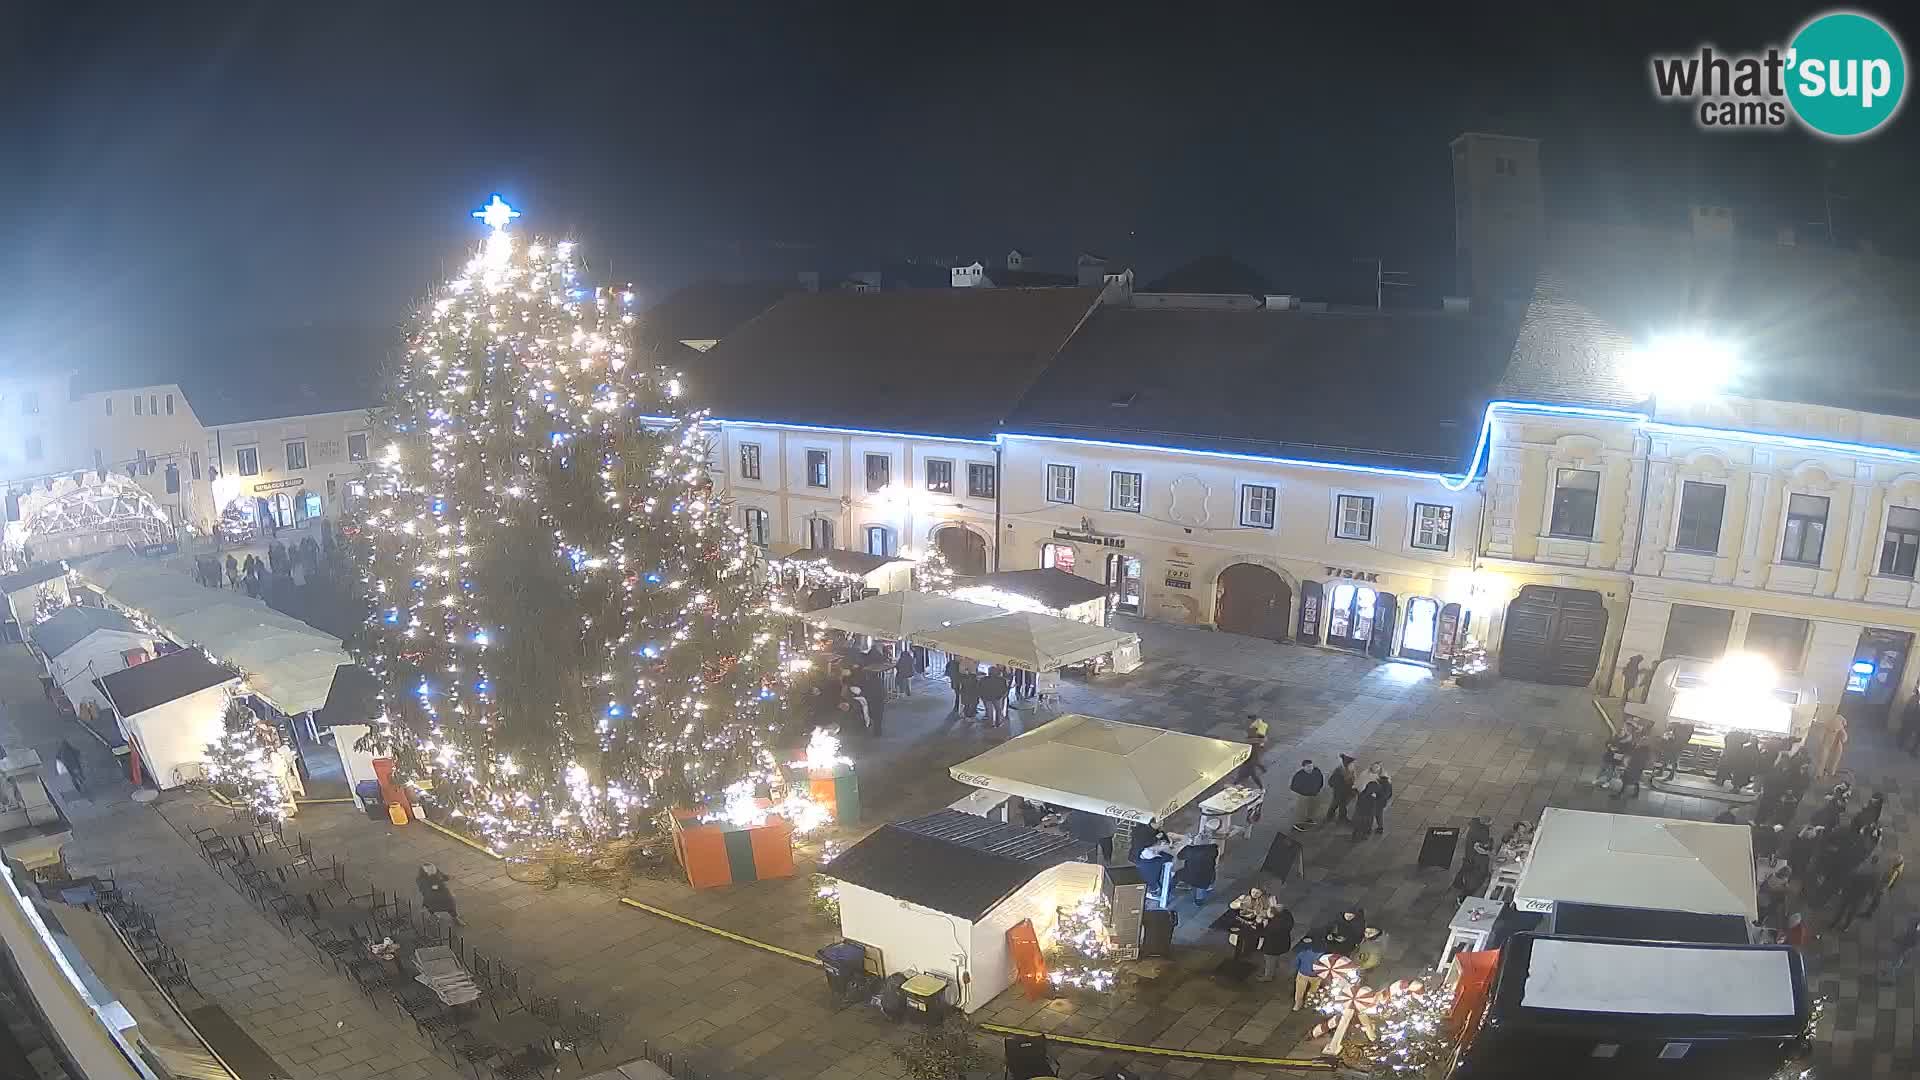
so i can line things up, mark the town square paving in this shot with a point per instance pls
(1504, 752)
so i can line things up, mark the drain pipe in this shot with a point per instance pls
(999, 484)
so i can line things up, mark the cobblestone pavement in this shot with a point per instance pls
(1504, 752)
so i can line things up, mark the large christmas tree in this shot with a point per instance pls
(570, 634)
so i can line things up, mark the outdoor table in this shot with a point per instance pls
(1233, 808)
(1469, 929)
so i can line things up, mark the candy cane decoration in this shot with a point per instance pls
(1358, 1002)
(1333, 965)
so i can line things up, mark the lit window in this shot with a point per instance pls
(1126, 492)
(981, 481)
(1780, 639)
(1806, 529)
(297, 454)
(246, 459)
(879, 540)
(1060, 483)
(1702, 506)
(1257, 502)
(1902, 544)
(756, 523)
(357, 447)
(939, 476)
(1432, 526)
(817, 470)
(1354, 519)
(879, 472)
(1576, 498)
(749, 461)
(1057, 556)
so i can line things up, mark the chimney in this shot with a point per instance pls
(1117, 288)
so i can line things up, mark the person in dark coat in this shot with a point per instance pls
(1340, 785)
(434, 894)
(1306, 785)
(1199, 867)
(1859, 886)
(233, 573)
(1869, 815)
(1638, 757)
(1910, 725)
(1276, 939)
(1347, 932)
(1673, 743)
(903, 671)
(69, 757)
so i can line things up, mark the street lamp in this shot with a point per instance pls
(1680, 367)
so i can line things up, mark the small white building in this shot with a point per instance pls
(937, 895)
(81, 644)
(170, 709)
(23, 590)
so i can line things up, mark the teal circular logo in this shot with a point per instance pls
(1847, 74)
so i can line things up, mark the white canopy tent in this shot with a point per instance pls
(1027, 639)
(1639, 862)
(287, 662)
(897, 615)
(1105, 767)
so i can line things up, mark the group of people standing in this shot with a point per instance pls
(1358, 799)
(993, 690)
(1263, 926)
(295, 563)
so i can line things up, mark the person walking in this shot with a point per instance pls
(233, 573)
(994, 687)
(434, 894)
(68, 758)
(1638, 756)
(1307, 784)
(903, 670)
(1904, 944)
(1256, 734)
(1854, 891)
(1612, 756)
(1305, 982)
(1895, 867)
(1340, 783)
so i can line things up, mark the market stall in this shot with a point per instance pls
(170, 708)
(24, 591)
(1126, 771)
(1646, 863)
(1737, 693)
(823, 576)
(892, 616)
(81, 644)
(938, 895)
(1034, 642)
(1049, 590)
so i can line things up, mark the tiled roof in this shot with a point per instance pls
(923, 362)
(1398, 390)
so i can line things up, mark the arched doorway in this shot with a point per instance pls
(1253, 600)
(1420, 638)
(966, 550)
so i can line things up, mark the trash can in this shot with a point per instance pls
(370, 800)
(845, 963)
(927, 997)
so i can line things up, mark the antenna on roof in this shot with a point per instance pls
(1383, 279)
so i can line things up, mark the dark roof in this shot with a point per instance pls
(847, 562)
(952, 862)
(32, 575)
(352, 698)
(1307, 385)
(708, 310)
(167, 678)
(1031, 279)
(73, 624)
(294, 372)
(1815, 326)
(1053, 587)
(921, 362)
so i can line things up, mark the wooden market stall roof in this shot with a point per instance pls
(952, 862)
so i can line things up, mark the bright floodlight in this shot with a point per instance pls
(1679, 367)
(1744, 673)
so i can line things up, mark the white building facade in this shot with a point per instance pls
(292, 472)
(150, 433)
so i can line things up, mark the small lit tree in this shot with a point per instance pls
(932, 573)
(1080, 955)
(241, 762)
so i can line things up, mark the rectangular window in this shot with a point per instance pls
(99, 460)
(139, 406)
(939, 476)
(247, 460)
(34, 448)
(817, 469)
(749, 461)
(109, 400)
(756, 523)
(1257, 502)
(1701, 508)
(1806, 529)
(820, 533)
(1700, 632)
(193, 461)
(297, 454)
(169, 404)
(981, 480)
(357, 447)
(1354, 520)
(1576, 499)
(879, 540)
(879, 472)
(1125, 494)
(1902, 543)
(153, 404)
(1780, 639)
(1060, 483)
(1432, 526)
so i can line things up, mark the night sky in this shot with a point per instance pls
(184, 181)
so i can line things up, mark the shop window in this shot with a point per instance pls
(1432, 526)
(879, 472)
(820, 534)
(282, 510)
(1806, 529)
(1060, 484)
(1702, 508)
(940, 476)
(1350, 616)
(1126, 494)
(296, 455)
(755, 521)
(246, 459)
(1257, 503)
(1353, 518)
(879, 540)
(982, 483)
(1899, 549)
(1696, 631)
(1057, 556)
(1780, 639)
(817, 470)
(357, 446)
(1576, 499)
